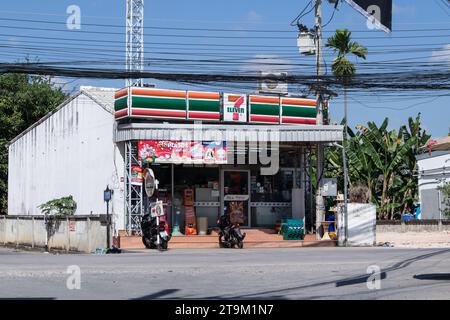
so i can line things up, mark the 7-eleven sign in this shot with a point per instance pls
(234, 107)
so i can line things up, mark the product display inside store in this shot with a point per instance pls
(195, 195)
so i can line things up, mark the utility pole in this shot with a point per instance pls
(320, 203)
(344, 161)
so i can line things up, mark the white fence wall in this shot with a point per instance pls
(78, 233)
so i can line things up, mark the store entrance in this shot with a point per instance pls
(236, 195)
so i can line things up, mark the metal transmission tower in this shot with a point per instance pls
(135, 40)
(134, 63)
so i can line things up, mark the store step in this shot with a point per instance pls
(252, 240)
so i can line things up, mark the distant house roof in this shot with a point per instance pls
(440, 144)
(104, 97)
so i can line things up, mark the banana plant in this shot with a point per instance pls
(384, 160)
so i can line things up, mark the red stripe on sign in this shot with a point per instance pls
(203, 115)
(239, 102)
(298, 120)
(121, 113)
(271, 119)
(159, 113)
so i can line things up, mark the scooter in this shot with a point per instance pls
(154, 230)
(230, 235)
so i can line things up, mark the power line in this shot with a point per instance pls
(212, 36)
(209, 29)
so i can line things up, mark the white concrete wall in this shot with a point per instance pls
(69, 153)
(87, 234)
(361, 224)
(433, 170)
(437, 161)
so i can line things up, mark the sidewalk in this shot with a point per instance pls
(435, 239)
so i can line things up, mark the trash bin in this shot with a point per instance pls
(202, 225)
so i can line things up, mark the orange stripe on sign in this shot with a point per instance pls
(203, 95)
(299, 102)
(202, 115)
(120, 93)
(159, 113)
(264, 99)
(159, 93)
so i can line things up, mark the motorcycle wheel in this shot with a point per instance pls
(240, 244)
(163, 246)
(221, 244)
(147, 243)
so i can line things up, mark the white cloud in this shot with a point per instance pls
(252, 16)
(442, 55)
(267, 63)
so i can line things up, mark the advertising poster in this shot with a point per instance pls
(238, 211)
(178, 152)
(136, 176)
(234, 107)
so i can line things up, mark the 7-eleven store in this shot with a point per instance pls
(213, 152)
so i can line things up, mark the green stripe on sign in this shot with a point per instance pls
(303, 112)
(265, 109)
(159, 103)
(204, 105)
(120, 104)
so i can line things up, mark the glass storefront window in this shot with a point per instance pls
(275, 188)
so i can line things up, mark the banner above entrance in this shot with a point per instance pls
(185, 152)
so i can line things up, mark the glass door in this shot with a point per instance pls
(236, 195)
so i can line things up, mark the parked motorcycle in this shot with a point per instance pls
(154, 232)
(230, 235)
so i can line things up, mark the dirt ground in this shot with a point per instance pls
(424, 239)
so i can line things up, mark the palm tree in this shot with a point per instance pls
(344, 70)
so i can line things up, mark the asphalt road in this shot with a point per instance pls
(305, 273)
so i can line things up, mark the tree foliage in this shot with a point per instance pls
(383, 160)
(445, 202)
(24, 99)
(64, 206)
(341, 43)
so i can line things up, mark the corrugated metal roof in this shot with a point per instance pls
(226, 132)
(104, 97)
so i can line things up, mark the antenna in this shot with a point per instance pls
(134, 40)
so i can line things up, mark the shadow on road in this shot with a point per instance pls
(157, 295)
(362, 278)
(433, 276)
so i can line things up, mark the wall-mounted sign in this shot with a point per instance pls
(182, 152)
(157, 209)
(234, 107)
(236, 197)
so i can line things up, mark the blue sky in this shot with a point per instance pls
(242, 15)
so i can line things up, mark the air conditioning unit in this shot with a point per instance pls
(276, 84)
